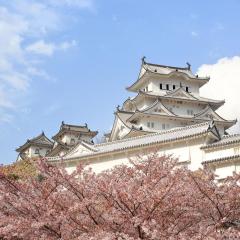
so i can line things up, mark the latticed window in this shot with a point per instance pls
(237, 150)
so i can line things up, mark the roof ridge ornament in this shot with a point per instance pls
(188, 65)
(143, 60)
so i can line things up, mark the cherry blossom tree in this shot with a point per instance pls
(151, 198)
(20, 169)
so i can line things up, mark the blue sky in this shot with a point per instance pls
(72, 59)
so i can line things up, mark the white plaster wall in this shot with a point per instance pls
(188, 153)
(158, 124)
(181, 109)
(224, 171)
(219, 153)
(193, 87)
(30, 152)
(68, 136)
(147, 102)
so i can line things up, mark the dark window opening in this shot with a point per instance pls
(187, 89)
(161, 86)
(173, 87)
(167, 86)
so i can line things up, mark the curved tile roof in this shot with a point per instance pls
(40, 140)
(145, 140)
(223, 159)
(226, 140)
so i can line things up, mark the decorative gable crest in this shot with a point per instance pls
(209, 114)
(158, 108)
(81, 148)
(180, 93)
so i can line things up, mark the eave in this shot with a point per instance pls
(214, 104)
(225, 141)
(137, 85)
(63, 131)
(137, 114)
(27, 145)
(32, 142)
(142, 142)
(217, 161)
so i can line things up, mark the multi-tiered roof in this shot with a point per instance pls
(41, 140)
(167, 97)
(69, 135)
(66, 138)
(74, 129)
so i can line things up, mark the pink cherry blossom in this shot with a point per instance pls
(152, 198)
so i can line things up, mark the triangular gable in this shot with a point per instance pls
(81, 148)
(135, 133)
(56, 151)
(208, 113)
(120, 123)
(42, 140)
(180, 93)
(157, 108)
(215, 132)
(129, 105)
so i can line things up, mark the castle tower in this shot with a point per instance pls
(70, 135)
(166, 97)
(38, 146)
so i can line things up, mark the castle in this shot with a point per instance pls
(66, 138)
(167, 115)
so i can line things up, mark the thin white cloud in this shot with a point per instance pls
(224, 84)
(21, 22)
(4, 101)
(66, 45)
(48, 49)
(73, 3)
(194, 34)
(40, 47)
(5, 117)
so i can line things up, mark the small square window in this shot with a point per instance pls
(152, 125)
(173, 87)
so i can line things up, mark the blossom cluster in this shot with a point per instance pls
(151, 198)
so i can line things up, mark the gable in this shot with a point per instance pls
(208, 113)
(43, 140)
(158, 108)
(80, 150)
(180, 93)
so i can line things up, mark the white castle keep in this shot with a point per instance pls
(166, 115)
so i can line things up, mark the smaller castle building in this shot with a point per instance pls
(39, 146)
(67, 137)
